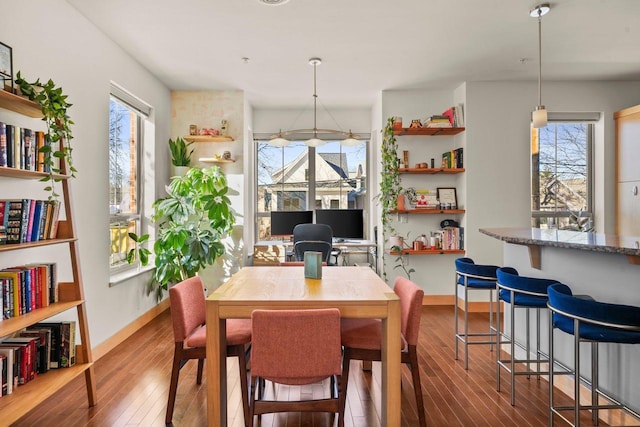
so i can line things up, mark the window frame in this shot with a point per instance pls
(142, 113)
(311, 193)
(589, 119)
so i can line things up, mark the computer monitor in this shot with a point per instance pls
(283, 222)
(345, 223)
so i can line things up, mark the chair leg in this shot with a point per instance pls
(344, 381)
(255, 384)
(173, 386)
(242, 363)
(455, 316)
(417, 385)
(199, 374)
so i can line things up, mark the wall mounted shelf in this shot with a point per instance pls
(430, 171)
(215, 160)
(428, 131)
(208, 138)
(424, 211)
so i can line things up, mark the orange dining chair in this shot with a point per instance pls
(295, 347)
(187, 302)
(362, 339)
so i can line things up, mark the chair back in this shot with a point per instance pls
(296, 346)
(411, 308)
(466, 267)
(321, 232)
(302, 246)
(187, 303)
(509, 279)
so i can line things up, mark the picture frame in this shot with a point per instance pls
(447, 197)
(6, 65)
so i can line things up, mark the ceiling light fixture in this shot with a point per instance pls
(540, 114)
(273, 2)
(280, 140)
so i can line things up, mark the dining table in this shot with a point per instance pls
(358, 292)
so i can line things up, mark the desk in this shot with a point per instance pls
(269, 252)
(357, 291)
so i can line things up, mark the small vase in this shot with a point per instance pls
(401, 204)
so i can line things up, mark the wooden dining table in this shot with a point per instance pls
(356, 291)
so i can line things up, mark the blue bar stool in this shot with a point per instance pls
(521, 292)
(474, 276)
(594, 322)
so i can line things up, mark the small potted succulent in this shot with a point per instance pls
(180, 156)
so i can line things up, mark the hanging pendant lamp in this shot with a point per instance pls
(280, 140)
(539, 116)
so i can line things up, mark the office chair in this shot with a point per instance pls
(313, 237)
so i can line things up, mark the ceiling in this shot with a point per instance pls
(367, 46)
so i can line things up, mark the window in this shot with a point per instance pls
(561, 172)
(301, 178)
(126, 123)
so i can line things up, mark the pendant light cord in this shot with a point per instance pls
(315, 100)
(539, 56)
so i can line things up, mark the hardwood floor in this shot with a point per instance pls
(133, 382)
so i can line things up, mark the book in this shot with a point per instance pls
(3, 144)
(44, 343)
(28, 358)
(12, 368)
(24, 219)
(29, 149)
(9, 144)
(34, 236)
(54, 220)
(56, 340)
(14, 221)
(39, 153)
(17, 157)
(15, 279)
(68, 344)
(4, 220)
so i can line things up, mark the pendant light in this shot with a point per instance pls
(539, 116)
(280, 140)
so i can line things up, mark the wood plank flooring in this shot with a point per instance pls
(133, 382)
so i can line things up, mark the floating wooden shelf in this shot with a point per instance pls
(207, 138)
(425, 211)
(216, 160)
(19, 104)
(430, 171)
(427, 252)
(428, 131)
(15, 246)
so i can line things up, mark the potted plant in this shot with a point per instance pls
(191, 222)
(180, 155)
(54, 105)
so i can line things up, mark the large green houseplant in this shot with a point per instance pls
(192, 221)
(54, 106)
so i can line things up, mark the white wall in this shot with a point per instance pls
(50, 39)
(497, 159)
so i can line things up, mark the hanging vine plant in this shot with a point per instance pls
(390, 187)
(54, 106)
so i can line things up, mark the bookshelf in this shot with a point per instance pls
(428, 133)
(71, 294)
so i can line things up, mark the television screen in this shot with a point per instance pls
(282, 222)
(345, 223)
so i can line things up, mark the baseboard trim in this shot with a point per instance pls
(124, 333)
(474, 306)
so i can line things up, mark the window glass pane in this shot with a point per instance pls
(285, 179)
(561, 176)
(124, 135)
(340, 176)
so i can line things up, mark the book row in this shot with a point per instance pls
(28, 220)
(36, 350)
(452, 238)
(27, 288)
(23, 148)
(453, 159)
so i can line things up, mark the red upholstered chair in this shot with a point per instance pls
(295, 347)
(188, 316)
(362, 339)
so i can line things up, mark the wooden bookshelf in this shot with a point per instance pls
(428, 131)
(215, 160)
(71, 293)
(207, 138)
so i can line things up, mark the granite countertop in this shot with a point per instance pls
(595, 242)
